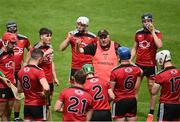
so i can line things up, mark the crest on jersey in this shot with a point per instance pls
(93, 80)
(128, 70)
(26, 69)
(174, 71)
(79, 92)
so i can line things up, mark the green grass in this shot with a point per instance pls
(120, 17)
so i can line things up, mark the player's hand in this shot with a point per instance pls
(7, 81)
(49, 51)
(150, 27)
(56, 81)
(78, 41)
(69, 36)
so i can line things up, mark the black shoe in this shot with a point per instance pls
(18, 120)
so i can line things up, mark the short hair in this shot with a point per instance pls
(37, 53)
(80, 77)
(45, 30)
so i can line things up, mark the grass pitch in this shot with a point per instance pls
(120, 17)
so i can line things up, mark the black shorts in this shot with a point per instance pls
(124, 108)
(6, 94)
(101, 115)
(35, 113)
(148, 70)
(168, 112)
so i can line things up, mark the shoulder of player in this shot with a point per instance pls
(157, 31)
(73, 32)
(37, 45)
(34, 66)
(116, 44)
(126, 65)
(20, 36)
(141, 30)
(88, 33)
(91, 34)
(167, 70)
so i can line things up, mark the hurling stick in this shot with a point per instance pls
(17, 95)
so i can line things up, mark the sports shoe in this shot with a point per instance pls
(18, 120)
(149, 118)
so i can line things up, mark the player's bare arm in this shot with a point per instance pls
(133, 52)
(44, 84)
(56, 81)
(89, 115)
(112, 84)
(138, 81)
(111, 94)
(28, 56)
(58, 106)
(19, 87)
(66, 42)
(155, 89)
(157, 41)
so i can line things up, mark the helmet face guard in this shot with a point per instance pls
(147, 16)
(83, 20)
(124, 53)
(11, 27)
(82, 23)
(88, 68)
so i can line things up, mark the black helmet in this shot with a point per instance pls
(146, 16)
(11, 26)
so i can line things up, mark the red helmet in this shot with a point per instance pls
(9, 37)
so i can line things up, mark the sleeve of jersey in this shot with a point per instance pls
(139, 72)
(95, 40)
(158, 79)
(27, 43)
(135, 38)
(61, 96)
(159, 35)
(108, 85)
(72, 40)
(90, 49)
(41, 74)
(112, 76)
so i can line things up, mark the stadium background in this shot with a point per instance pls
(120, 17)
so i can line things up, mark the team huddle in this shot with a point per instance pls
(104, 78)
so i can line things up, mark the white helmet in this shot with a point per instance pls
(83, 20)
(163, 56)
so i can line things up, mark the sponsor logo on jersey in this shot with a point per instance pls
(144, 44)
